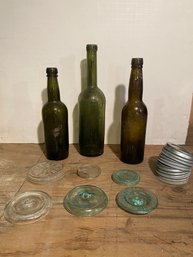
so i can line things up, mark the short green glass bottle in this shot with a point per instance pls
(55, 120)
(134, 118)
(91, 103)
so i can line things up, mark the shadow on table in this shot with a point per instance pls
(42, 147)
(76, 146)
(152, 163)
(189, 136)
(115, 148)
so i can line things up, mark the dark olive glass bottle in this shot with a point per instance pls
(55, 120)
(91, 103)
(134, 117)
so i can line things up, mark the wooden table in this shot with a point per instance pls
(166, 232)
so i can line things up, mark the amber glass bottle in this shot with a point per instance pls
(134, 118)
(55, 120)
(91, 103)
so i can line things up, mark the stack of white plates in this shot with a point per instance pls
(174, 164)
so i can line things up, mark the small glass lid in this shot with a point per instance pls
(85, 200)
(136, 200)
(88, 171)
(125, 177)
(27, 207)
(45, 172)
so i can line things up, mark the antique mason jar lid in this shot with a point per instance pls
(171, 168)
(45, 172)
(88, 171)
(174, 164)
(136, 200)
(85, 200)
(180, 152)
(27, 207)
(125, 177)
(177, 158)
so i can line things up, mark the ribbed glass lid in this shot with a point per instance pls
(136, 200)
(85, 200)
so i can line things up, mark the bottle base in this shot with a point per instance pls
(56, 158)
(91, 154)
(131, 161)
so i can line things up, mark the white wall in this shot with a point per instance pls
(35, 34)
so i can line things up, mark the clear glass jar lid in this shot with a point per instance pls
(45, 172)
(125, 177)
(27, 207)
(136, 200)
(88, 171)
(85, 200)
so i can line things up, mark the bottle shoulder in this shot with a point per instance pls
(135, 106)
(93, 93)
(54, 105)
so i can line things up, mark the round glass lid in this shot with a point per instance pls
(27, 207)
(45, 172)
(85, 200)
(136, 200)
(125, 177)
(88, 171)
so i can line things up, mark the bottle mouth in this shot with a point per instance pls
(52, 71)
(91, 47)
(135, 62)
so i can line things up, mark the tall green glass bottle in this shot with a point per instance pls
(134, 118)
(91, 103)
(55, 120)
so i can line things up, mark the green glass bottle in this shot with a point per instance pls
(91, 103)
(134, 117)
(55, 120)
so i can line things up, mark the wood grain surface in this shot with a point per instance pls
(165, 232)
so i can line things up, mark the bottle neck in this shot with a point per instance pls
(92, 68)
(136, 84)
(53, 88)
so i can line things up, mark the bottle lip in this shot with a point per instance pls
(137, 62)
(91, 47)
(52, 71)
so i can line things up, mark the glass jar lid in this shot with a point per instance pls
(136, 200)
(45, 172)
(125, 177)
(88, 171)
(85, 200)
(27, 207)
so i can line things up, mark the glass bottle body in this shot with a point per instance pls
(55, 121)
(91, 122)
(91, 104)
(134, 119)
